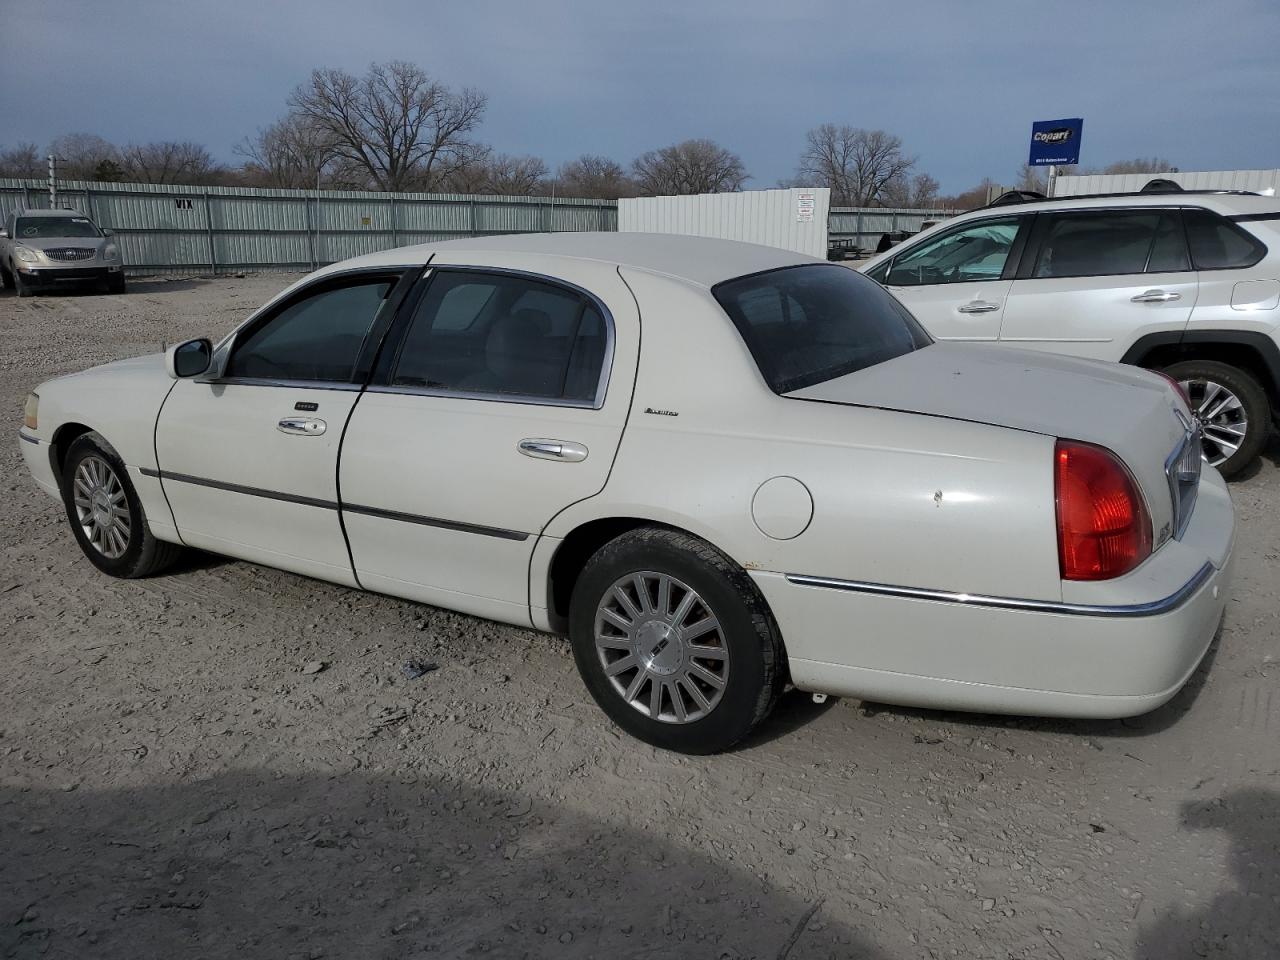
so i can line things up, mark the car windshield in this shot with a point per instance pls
(807, 324)
(36, 228)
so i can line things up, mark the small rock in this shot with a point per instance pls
(566, 937)
(988, 904)
(313, 667)
(797, 826)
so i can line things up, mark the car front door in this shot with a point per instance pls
(1092, 282)
(248, 459)
(956, 282)
(499, 400)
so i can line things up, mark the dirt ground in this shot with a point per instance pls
(172, 784)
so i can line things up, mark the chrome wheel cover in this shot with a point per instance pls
(101, 507)
(662, 647)
(1222, 418)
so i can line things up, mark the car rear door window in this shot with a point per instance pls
(315, 337)
(1218, 244)
(1101, 243)
(974, 253)
(504, 335)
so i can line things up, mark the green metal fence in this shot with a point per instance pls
(175, 229)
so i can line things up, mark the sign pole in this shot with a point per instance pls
(53, 182)
(1053, 172)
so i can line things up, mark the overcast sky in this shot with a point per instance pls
(1196, 82)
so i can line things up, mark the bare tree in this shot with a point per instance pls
(292, 152)
(502, 173)
(1141, 165)
(396, 123)
(83, 156)
(23, 161)
(1033, 179)
(168, 161)
(912, 192)
(856, 164)
(694, 166)
(594, 177)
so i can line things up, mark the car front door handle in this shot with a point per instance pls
(978, 306)
(302, 426)
(1155, 296)
(565, 450)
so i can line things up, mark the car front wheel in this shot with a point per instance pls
(674, 641)
(1232, 410)
(106, 515)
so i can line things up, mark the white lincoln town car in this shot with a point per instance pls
(718, 468)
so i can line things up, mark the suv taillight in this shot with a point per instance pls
(1103, 526)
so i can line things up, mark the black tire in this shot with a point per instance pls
(1253, 402)
(116, 283)
(5, 281)
(756, 661)
(143, 554)
(20, 287)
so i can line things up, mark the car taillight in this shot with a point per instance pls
(1103, 526)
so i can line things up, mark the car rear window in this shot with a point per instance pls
(816, 322)
(1218, 244)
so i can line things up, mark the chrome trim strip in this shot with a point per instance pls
(35, 440)
(458, 525)
(406, 390)
(1150, 609)
(291, 384)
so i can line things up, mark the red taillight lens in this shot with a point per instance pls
(1103, 526)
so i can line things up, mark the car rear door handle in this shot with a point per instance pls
(302, 426)
(978, 306)
(1155, 296)
(543, 449)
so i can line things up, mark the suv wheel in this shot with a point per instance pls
(674, 641)
(1232, 408)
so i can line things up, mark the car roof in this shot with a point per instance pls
(704, 261)
(44, 212)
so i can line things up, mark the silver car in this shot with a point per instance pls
(42, 248)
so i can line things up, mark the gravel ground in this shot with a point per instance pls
(174, 784)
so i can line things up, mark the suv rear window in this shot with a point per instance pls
(807, 324)
(1217, 243)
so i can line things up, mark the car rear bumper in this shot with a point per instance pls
(952, 651)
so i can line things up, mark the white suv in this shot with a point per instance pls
(1186, 283)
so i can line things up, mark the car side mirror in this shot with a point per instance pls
(188, 359)
(108, 232)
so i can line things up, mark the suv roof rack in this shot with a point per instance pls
(1154, 186)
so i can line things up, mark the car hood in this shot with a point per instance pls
(1132, 412)
(147, 367)
(46, 243)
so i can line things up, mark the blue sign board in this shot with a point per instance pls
(1055, 141)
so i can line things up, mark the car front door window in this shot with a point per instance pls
(975, 253)
(314, 338)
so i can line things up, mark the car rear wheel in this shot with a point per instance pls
(1232, 410)
(105, 514)
(674, 641)
(116, 283)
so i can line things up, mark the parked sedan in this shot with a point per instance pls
(718, 468)
(40, 249)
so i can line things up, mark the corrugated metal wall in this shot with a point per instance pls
(774, 218)
(177, 229)
(866, 225)
(1254, 180)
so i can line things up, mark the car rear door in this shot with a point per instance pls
(499, 400)
(956, 282)
(248, 459)
(1092, 282)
